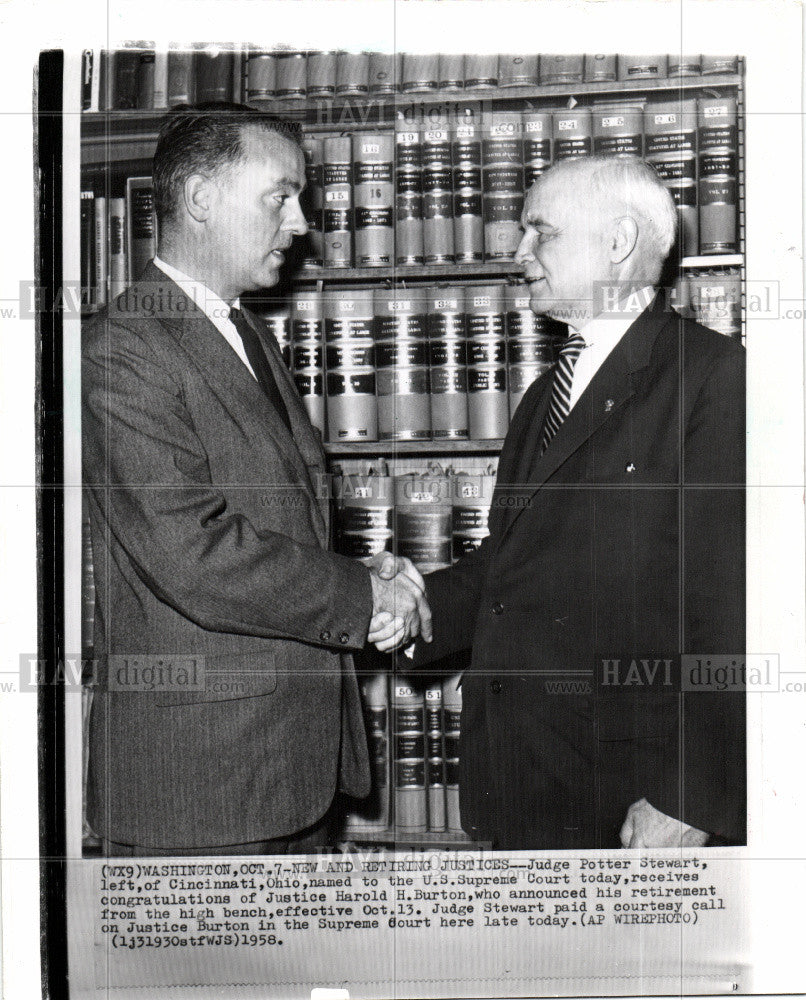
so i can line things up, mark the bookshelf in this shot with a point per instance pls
(118, 144)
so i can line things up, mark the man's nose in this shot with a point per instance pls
(524, 252)
(295, 220)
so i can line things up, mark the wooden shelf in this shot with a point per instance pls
(109, 136)
(490, 446)
(449, 272)
(398, 837)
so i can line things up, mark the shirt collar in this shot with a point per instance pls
(609, 327)
(204, 298)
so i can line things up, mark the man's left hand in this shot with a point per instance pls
(645, 826)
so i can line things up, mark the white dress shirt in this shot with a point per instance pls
(212, 305)
(601, 335)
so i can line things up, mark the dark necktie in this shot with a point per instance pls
(560, 403)
(260, 363)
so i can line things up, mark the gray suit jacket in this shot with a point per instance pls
(210, 531)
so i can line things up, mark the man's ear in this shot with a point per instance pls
(197, 194)
(624, 239)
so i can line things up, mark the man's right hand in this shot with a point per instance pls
(400, 610)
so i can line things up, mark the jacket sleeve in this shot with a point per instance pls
(713, 549)
(453, 596)
(148, 472)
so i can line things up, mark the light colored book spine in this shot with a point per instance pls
(160, 80)
(117, 247)
(101, 252)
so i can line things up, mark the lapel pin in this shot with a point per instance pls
(630, 467)
(609, 404)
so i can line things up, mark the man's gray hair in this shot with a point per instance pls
(629, 185)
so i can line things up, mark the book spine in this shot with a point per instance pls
(87, 585)
(435, 758)
(481, 71)
(374, 196)
(423, 520)
(374, 812)
(313, 201)
(338, 201)
(561, 69)
(401, 359)
(384, 70)
(600, 68)
(642, 67)
(420, 73)
(125, 65)
(502, 183)
(411, 800)
(487, 403)
(437, 193)
(572, 134)
(352, 410)
(160, 80)
(308, 353)
(468, 225)
(101, 251)
(277, 318)
(452, 713)
(408, 195)
(89, 295)
(530, 343)
(89, 73)
(618, 132)
(451, 71)
(447, 358)
(717, 168)
(352, 74)
(261, 76)
(321, 74)
(715, 300)
(365, 515)
(517, 70)
(670, 145)
(118, 262)
(142, 225)
(146, 69)
(470, 509)
(291, 75)
(536, 145)
(214, 76)
(181, 88)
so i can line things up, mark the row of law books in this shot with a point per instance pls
(144, 77)
(450, 189)
(118, 238)
(434, 516)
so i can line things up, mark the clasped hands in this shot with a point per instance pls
(400, 612)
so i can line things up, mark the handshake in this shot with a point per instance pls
(400, 612)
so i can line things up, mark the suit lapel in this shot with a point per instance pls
(609, 390)
(235, 386)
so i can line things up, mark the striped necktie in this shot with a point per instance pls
(260, 363)
(561, 390)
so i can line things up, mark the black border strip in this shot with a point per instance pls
(50, 523)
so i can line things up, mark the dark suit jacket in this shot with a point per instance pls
(624, 540)
(210, 531)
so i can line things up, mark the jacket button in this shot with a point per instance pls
(344, 638)
(498, 608)
(495, 687)
(324, 635)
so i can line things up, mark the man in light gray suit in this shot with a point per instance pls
(228, 714)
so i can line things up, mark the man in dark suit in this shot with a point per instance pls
(616, 544)
(228, 712)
